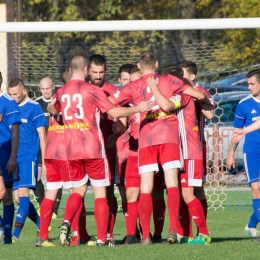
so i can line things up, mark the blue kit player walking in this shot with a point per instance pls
(9, 138)
(33, 136)
(248, 111)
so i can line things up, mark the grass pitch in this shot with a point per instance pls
(226, 228)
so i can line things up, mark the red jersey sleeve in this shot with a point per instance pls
(101, 101)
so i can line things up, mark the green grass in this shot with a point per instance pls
(226, 228)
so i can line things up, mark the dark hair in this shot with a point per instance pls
(98, 60)
(15, 82)
(174, 70)
(189, 65)
(134, 69)
(125, 68)
(255, 73)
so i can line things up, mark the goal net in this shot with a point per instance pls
(223, 56)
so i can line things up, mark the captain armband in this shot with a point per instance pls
(176, 100)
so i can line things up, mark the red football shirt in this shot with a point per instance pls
(80, 103)
(188, 129)
(55, 147)
(156, 126)
(107, 121)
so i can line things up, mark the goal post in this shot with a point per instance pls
(220, 48)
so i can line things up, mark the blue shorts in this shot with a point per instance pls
(28, 173)
(252, 167)
(4, 158)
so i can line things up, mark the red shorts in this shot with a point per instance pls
(167, 155)
(57, 174)
(192, 173)
(132, 177)
(96, 170)
(120, 174)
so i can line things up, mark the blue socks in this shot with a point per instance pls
(256, 207)
(21, 215)
(8, 218)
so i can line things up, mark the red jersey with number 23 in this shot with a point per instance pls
(80, 103)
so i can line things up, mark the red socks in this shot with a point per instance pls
(131, 217)
(112, 205)
(101, 212)
(145, 208)
(46, 210)
(72, 207)
(197, 214)
(173, 204)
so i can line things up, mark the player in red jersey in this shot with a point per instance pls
(123, 141)
(204, 111)
(80, 103)
(96, 74)
(158, 142)
(57, 176)
(192, 173)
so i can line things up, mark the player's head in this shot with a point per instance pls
(46, 87)
(78, 65)
(1, 79)
(190, 70)
(17, 90)
(147, 62)
(97, 69)
(124, 73)
(174, 70)
(253, 80)
(135, 73)
(66, 75)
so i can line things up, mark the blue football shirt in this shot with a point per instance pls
(9, 115)
(248, 111)
(32, 117)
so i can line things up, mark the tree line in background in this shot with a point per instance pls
(216, 50)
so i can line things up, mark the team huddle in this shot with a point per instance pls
(146, 137)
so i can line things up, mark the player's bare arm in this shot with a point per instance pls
(51, 107)
(42, 136)
(118, 129)
(206, 110)
(12, 163)
(143, 106)
(162, 101)
(230, 161)
(197, 94)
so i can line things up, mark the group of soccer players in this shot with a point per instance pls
(153, 142)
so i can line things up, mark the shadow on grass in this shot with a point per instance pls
(225, 239)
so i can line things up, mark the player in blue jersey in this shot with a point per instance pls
(33, 136)
(9, 139)
(248, 111)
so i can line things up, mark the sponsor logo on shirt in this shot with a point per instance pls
(75, 125)
(255, 118)
(158, 115)
(195, 128)
(24, 120)
(253, 111)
